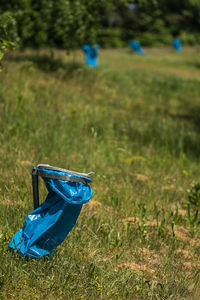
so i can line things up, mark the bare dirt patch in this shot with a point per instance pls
(167, 187)
(141, 177)
(136, 267)
(185, 253)
(136, 220)
(25, 163)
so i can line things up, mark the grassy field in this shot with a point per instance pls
(135, 122)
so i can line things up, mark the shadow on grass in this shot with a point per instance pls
(47, 63)
(177, 134)
(192, 116)
(191, 144)
(193, 64)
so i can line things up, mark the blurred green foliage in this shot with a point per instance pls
(111, 37)
(62, 23)
(69, 24)
(155, 22)
(8, 34)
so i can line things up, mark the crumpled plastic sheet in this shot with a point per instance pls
(177, 45)
(135, 45)
(91, 55)
(47, 226)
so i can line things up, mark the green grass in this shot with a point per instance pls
(135, 122)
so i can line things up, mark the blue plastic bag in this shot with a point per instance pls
(48, 225)
(177, 45)
(135, 45)
(91, 55)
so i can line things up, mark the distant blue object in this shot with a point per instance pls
(91, 55)
(135, 45)
(177, 45)
(48, 225)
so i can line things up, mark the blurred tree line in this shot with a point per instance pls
(70, 23)
(155, 22)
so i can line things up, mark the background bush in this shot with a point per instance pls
(70, 24)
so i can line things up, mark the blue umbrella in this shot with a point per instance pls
(49, 224)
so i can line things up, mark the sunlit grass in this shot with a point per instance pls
(134, 121)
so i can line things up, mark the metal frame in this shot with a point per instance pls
(35, 189)
(36, 171)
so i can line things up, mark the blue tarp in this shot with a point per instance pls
(135, 45)
(47, 226)
(91, 55)
(177, 45)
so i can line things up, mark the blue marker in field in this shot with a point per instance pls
(177, 45)
(49, 223)
(135, 45)
(91, 55)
